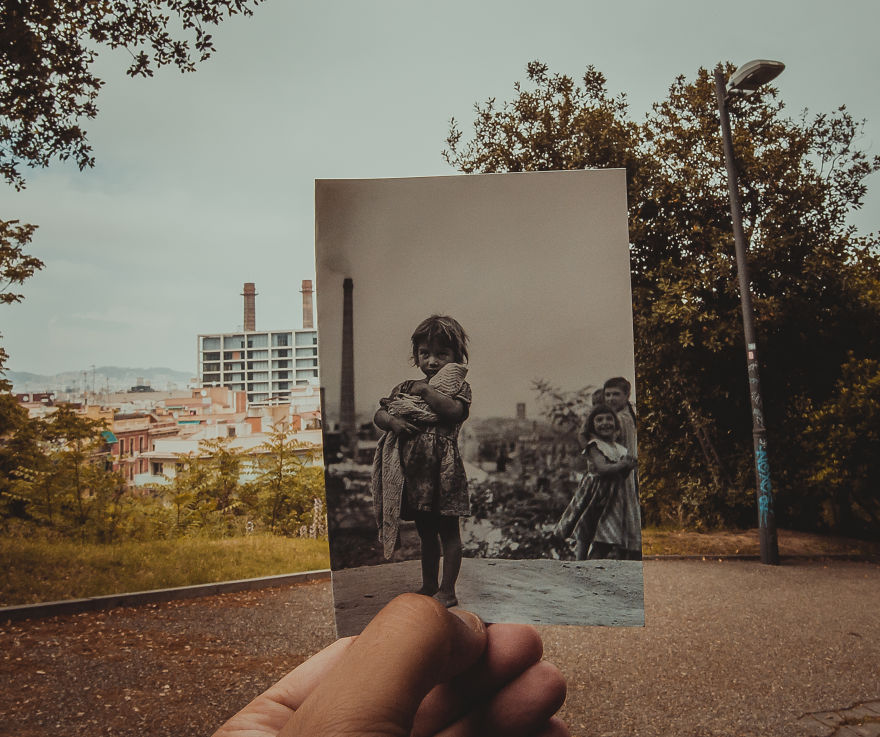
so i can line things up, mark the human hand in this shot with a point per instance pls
(418, 669)
(418, 388)
(400, 426)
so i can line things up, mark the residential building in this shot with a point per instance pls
(167, 457)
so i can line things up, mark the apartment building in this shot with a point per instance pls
(265, 365)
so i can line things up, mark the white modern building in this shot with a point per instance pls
(264, 364)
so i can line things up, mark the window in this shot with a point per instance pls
(156, 468)
(306, 337)
(141, 443)
(210, 343)
(230, 432)
(212, 356)
(281, 339)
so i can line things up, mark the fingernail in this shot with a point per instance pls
(473, 622)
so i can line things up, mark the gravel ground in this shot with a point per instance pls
(729, 648)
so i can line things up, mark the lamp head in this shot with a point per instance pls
(753, 74)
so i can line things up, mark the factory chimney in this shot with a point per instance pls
(250, 313)
(346, 394)
(308, 307)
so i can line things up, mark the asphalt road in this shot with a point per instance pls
(728, 648)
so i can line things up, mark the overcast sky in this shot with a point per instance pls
(205, 181)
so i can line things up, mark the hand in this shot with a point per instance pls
(400, 426)
(418, 669)
(418, 388)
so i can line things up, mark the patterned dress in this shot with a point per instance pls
(434, 475)
(620, 524)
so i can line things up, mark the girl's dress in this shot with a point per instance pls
(428, 465)
(600, 509)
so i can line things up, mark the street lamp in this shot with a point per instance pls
(748, 78)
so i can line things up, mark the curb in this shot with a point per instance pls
(138, 598)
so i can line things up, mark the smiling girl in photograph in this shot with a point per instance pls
(418, 473)
(598, 515)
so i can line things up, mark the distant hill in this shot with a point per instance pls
(114, 378)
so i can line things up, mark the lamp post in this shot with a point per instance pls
(748, 78)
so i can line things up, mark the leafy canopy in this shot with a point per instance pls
(814, 279)
(47, 50)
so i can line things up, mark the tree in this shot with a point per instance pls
(15, 267)
(285, 488)
(48, 87)
(47, 50)
(814, 279)
(845, 431)
(222, 465)
(53, 473)
(76, 440)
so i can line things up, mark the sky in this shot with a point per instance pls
(205, 181)
(467, 247)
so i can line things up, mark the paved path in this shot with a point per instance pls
(606, 592)
(728, 649)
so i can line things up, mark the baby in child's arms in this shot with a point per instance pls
(447, 380)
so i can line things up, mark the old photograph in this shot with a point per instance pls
(477, 387)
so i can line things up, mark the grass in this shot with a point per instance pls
(658, 541)
(40, 570)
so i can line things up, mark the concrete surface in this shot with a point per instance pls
(597, 592)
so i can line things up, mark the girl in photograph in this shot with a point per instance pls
(598, 513)
(418, 473)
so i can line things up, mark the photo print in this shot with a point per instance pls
(476, 354)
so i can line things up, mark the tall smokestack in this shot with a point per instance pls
(308, 308)
(346, 395)
(250, 312)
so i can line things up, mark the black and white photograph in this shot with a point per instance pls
(477, 389)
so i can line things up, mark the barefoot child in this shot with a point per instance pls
(418, 473)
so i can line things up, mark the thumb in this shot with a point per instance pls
(413, 644)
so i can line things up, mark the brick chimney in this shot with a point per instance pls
(308, 307)
(250, 312)
(346, 395)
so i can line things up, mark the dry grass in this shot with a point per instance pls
(39, 570)
(746, 542)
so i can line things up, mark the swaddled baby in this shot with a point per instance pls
(447, 380)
